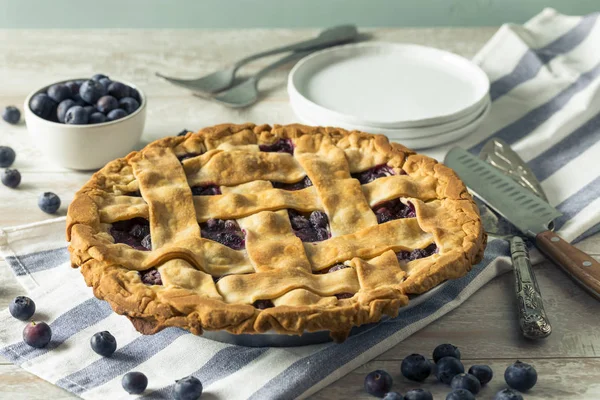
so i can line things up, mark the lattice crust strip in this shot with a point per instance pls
(208, 285)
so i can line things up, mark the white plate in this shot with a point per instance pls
(388, 85)
(426, 141)
(299, 109)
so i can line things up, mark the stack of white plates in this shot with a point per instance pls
(419, 96)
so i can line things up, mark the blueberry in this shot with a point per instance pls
(445, 350)
(188, 388)
(134, 382)
(466, 381)
(59, 92)
(116, 114)
(97, 118)
(378, 383)
(103, 343)
(62, 109)
(448, 368)
(415, 367)
(90, 110)
(520, 376)
(49, 202)
(147, 242)
(418, 394)
(183, 132)
(133, 93)
(11, 178)
(460, 394)
(106, 104)
(12, 115)
(482, 372)
(7, 156)
(42, 105)
(79, 101)
(90, 91)
(393, 396)
(37, 335)
(129, 104)
(118, 90)
(105, 82)
(22, 308)
(73, 86)
(98, 77)
(76, 115)
(508, 394)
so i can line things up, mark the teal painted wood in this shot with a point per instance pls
(275, 13)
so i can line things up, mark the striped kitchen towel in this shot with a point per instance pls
(545, 87)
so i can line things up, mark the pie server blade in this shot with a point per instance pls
(529, 213)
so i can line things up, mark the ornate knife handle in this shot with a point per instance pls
(532, 316)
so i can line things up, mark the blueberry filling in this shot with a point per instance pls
(186, 156)
(304, 183)
(371, 174)
(133, 232)
(333, 268)
(133, 194)
(208, 190)
(151, 277)
(281, 146)
(341, 296)
(263, 304)
(226, 232)
(313, 228)
(404, 255)
(393, 209)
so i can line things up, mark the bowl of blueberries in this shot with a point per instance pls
(84, 123)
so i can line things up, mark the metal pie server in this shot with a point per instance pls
(533, 320)
(528, 213)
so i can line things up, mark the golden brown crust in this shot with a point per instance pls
(304, 299)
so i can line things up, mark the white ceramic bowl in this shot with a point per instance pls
(85, 147)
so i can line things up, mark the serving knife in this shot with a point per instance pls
(529, 213)
(533, 321)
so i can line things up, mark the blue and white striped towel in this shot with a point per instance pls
(546, 80)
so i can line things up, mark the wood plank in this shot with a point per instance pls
(564, 379)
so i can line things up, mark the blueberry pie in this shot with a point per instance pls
(251, 229)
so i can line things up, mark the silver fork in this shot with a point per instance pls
(221, 80)
(246, 93)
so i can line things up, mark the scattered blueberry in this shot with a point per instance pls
(378, 383)
(105, 82)
(73, 86)
(418, 394)
(12, 115)
(448, 368)
(129, 104)
(183, 132)
(103, 343)
(59, 92)
(7, 156)
(98, 77)
(482, 372)
(97, 118)
(11, 178)
(118, 90)
(393, 396)
(22, 308)
(91, 90)
(106, 104)
(76, 115)
(42, 105)
(445, 350)
(188, 388)
(415, 367)
(508, 394)
(37, 335)
(134, 382)
(460, 394)
(520, 376)
(62, 109)
(116, 114)
(49, 202)
(466, 381)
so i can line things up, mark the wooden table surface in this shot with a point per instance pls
(485, 327)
